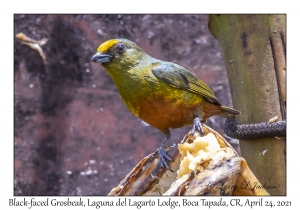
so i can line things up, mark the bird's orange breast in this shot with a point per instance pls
(164, 113)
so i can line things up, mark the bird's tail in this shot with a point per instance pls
(228, 112)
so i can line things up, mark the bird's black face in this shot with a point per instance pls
(115, 51)
(118, 55)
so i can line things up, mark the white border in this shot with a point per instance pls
(153, 6)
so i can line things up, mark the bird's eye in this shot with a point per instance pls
(120, 48)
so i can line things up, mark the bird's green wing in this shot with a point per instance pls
(180, 77)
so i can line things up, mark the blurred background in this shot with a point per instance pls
(72, 133)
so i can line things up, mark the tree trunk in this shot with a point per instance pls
(253, 48)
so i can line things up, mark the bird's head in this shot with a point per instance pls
(118, 55)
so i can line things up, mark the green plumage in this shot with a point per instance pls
(163, 94)
(181, 78)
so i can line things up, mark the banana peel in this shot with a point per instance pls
(206, 165)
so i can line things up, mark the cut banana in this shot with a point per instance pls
(205, 165)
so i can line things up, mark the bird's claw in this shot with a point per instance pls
(163, 158)
(198, 126)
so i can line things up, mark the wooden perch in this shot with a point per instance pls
(202, 166)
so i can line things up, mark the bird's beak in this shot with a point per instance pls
(101, 58)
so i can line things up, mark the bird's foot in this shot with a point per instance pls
(198, 126)
(164, 157)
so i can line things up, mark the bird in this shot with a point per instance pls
(162, 94)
